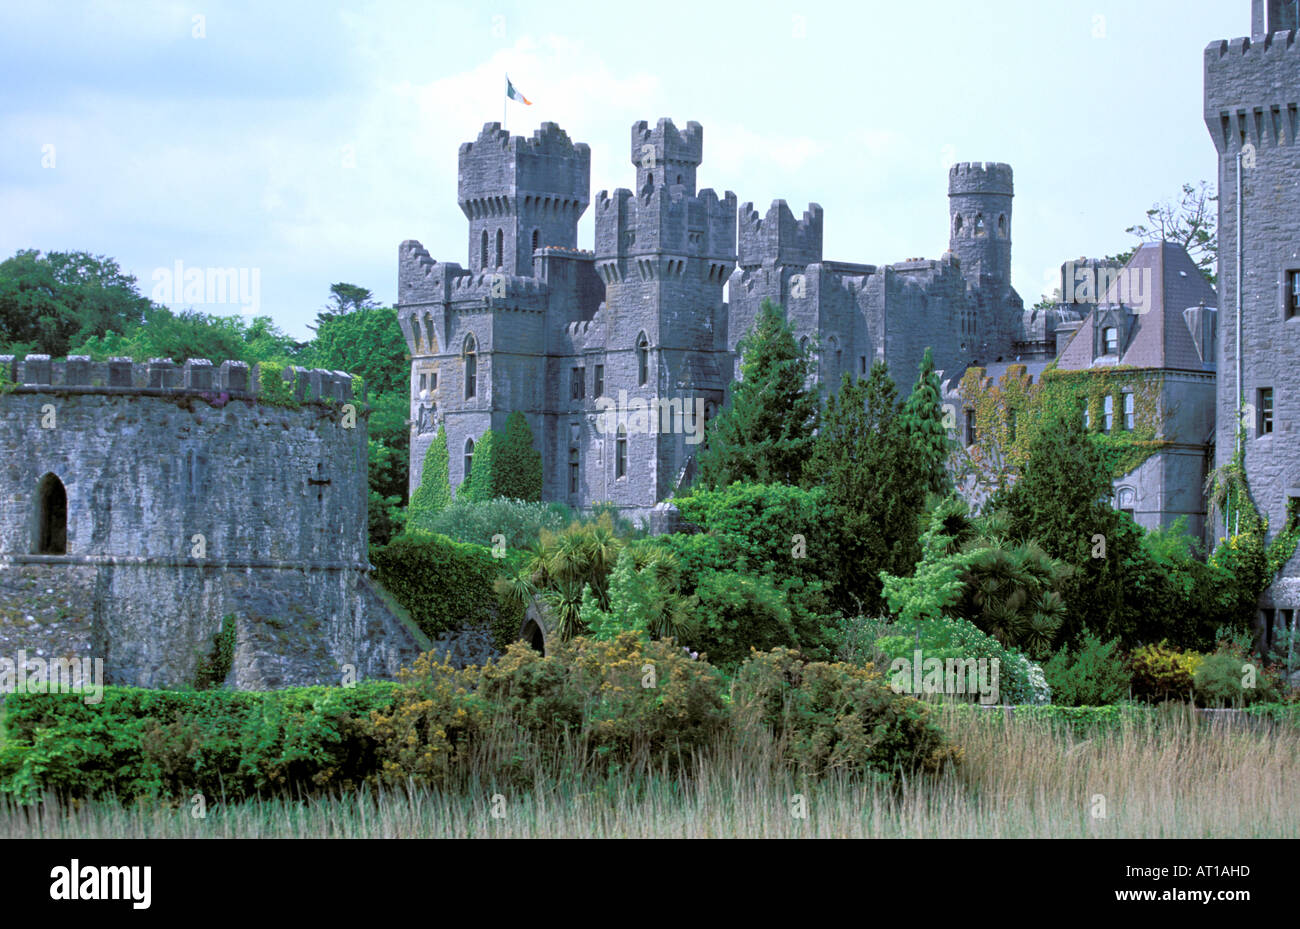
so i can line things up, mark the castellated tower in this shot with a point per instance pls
(522, 194)
(664, 253)
(979, 207)
(1252, 111)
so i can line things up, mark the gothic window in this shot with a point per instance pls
(471, 368)
(643, 360)
(537, 237)
(501, 241)
(1110, 339)
(483, 251)
(51, 517)
(979, 224)
(620, 453)
(469, 457)
(956, 225)
(1002, 225)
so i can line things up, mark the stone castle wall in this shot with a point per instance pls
(191, 496)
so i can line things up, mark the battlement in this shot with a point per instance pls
(1252, 91)
(665, 156)
(162, 376)
(576, 254)
(779, 237)
(499, 165)
(975, 177)
(667, 220)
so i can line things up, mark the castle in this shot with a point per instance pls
(1252, 111)
(640, 323)
(145, 506)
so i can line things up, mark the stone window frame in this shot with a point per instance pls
(575, 470)
(468, 457)
(469, 359)
(1288, 297)
(577, 382)
(1108, 414)
(643, 359)
(1128, 407)
(1265, 411)
(48, 538)
(598, 381)
(620, 454)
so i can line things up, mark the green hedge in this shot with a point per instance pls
(229, 744)
(593, 706)
(446, 585)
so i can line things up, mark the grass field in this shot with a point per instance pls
(1168, 777)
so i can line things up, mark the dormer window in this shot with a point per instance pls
(1110, 340)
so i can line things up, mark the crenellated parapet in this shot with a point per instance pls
(162, 376)
(977, 177)
(665, 233)
(1252, 91)
(779, 238)
(665, 155)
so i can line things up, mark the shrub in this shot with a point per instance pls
(517, 468)
(446, 585)
(1094, 674)
(836, 717)
(1231, 676)
(739, 611)
(1160, 672)
(1020, 681)
(478, 523)
(434, 493)
(235, 745)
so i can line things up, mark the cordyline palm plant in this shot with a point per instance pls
(555, 570)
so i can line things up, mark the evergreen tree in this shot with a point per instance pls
(875, 488)
(764, 433)
(434, 493)
(479, 484)
(923, 420)
(516, 465)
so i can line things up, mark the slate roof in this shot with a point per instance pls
(1159, 338)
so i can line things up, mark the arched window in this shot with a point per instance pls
(979, 224)
(1002, 225)
(501, 241)
(469, 457)
(537, 238)
(471, 368)
(620, 453)
(956, 225)
(643, 360)
(679, 178)
(483, 251)
(51, 517)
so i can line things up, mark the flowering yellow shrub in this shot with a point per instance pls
(1160, 672)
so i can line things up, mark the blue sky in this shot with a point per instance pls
(306, 140)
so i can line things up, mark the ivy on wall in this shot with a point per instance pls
(1009, 413)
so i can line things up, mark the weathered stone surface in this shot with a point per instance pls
(185, 505)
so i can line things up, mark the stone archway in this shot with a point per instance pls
(535, 630)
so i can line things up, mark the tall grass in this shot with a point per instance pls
(1165, 776)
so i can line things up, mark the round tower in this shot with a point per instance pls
(979, 215)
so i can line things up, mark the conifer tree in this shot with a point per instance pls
(923, 421)
(516, 465)
(434, 493)
(764, 433)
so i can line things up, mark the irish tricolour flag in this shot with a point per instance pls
(513, 94)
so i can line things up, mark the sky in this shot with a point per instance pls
(301, 142)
